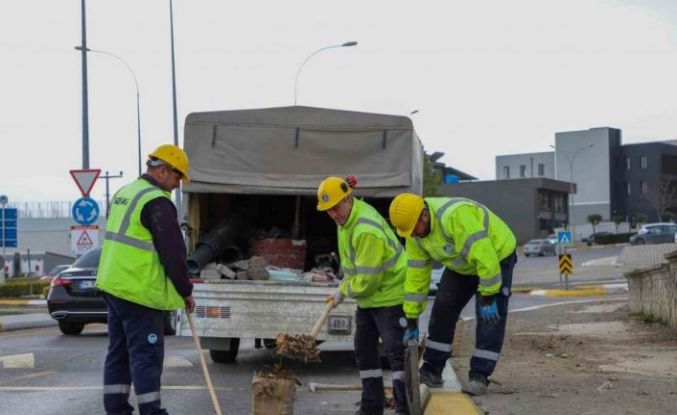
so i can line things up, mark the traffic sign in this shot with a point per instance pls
(564, 238)
(566, 266)
(8, 227)
(84, 238)
(85, 179)
(85, 211)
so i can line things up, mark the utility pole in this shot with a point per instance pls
(107, 178)
(177, 195)
(85, 102)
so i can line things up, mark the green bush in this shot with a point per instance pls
(45, 292)
(18, 287)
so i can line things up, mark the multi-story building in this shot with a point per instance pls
(608, 178)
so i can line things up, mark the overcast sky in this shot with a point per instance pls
(488, 77)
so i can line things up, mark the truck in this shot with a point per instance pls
(256, 171)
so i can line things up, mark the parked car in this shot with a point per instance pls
(73, 301)
(594, 237)
(655, 233)
(54, 272)
(552, 238)
(539, 247)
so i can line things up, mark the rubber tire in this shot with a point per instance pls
(167, 318)
(70, 329)
(269, 343)
(640, 242)
(226, 356)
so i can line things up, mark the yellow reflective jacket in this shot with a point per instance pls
(372, 259)
(130, 267)
(467, 238)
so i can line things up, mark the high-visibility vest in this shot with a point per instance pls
(467, 238)
(372, 259)
(130, 267)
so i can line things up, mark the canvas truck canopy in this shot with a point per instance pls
(290, 150)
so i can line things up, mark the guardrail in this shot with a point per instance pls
(653, 290)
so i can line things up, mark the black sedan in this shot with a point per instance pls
(73, 300)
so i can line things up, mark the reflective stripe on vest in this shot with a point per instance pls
(351, 271)
(467, 245)
(120, 236)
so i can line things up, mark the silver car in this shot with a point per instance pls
(655, 233)
(539, 247)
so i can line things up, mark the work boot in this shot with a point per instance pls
(402, 412)
(477, 384)
(430, 379)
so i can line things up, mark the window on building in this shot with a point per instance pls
(643, 162)
(643, 187)
(523, 170)
(541, 169)
(506, 172)
(627, 163)
(628, 188)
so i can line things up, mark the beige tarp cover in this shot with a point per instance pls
(290, 150)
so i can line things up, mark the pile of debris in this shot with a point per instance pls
(298, 347)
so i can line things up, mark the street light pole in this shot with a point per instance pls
(138, 107)
(107, 178)
(296, 81)
(177, 195)
(572, 219)
(85, 102)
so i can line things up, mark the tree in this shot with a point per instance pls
(431, 178)
(594, 219)
(618, 219)
(641, 217)
(660, 195)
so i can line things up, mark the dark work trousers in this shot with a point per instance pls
(372, 323)
(135, 354)
(454, 292)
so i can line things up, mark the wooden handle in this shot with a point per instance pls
(203, 363)
(320, 321)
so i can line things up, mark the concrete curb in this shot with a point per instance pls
(23, 302)
(583, 291)
(447, 400)
(25, 321)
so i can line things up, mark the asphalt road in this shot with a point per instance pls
(45, 372)
(590, 266)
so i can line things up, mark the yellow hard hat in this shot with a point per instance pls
(404, 212)
(331, 191)
(174, 157)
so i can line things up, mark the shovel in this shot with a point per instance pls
(411, 381)
(302, 346)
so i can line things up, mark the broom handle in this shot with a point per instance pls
(203, 363)
(320, 321)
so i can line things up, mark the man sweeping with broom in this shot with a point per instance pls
(374, 268)
(142, 273)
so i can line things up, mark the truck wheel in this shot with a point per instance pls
(269, 343)
(70, 329)
(226, 356)
(169, 323)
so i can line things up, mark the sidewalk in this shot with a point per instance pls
(584, 358)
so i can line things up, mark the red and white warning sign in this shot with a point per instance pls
(84, 238)
(85, 179)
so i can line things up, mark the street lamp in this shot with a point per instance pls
(136, 85)
(296, 82)
(177, 195)
(571, 160)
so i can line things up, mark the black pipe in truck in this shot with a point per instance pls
(215, 242)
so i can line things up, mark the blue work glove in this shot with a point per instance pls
(489, 310)
(411, 333)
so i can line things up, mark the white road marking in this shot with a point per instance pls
(610, 260)
(18, 361)
(177, 361)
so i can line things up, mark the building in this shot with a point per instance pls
(609, 179)
(531, 207)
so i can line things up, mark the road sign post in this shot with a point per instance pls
(566, 267)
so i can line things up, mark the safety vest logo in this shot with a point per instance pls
(152, 338)
(448, 248)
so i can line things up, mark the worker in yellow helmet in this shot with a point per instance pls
(478, 251)
(142, 274)
(374, 266)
